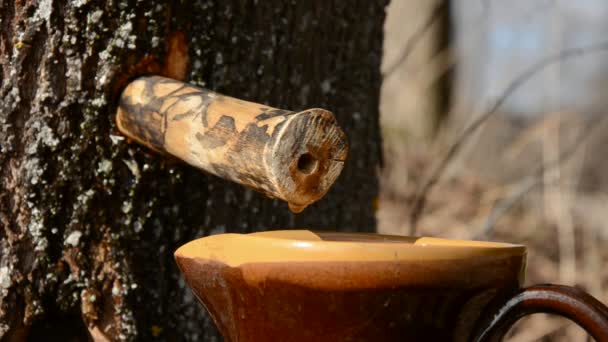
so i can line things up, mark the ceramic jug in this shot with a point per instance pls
(320, 286)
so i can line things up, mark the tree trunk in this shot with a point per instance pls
(89, 221)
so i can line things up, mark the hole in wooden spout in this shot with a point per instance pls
(307, 163)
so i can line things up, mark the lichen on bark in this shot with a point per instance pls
(88, 221)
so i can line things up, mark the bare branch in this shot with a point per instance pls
(535, 178)
(421, 196)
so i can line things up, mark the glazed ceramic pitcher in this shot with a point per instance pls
(313, 286)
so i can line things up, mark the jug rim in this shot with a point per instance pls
(322, 246)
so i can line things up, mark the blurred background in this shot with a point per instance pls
(493, 122)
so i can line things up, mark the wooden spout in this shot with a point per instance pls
(292, 156)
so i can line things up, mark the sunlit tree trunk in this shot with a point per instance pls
(89, 221)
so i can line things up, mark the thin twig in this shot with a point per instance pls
(421, 196)
(536, 178)
(503, 206)
(411, 43)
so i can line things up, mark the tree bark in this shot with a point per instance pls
(89, 221)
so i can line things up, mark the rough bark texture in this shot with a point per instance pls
(89, 222)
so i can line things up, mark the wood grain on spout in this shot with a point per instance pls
(292, 156)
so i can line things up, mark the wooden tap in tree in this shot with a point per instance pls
(292, 156)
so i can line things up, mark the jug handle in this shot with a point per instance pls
(572, 303)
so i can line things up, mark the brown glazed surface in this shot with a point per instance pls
(401, 300)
